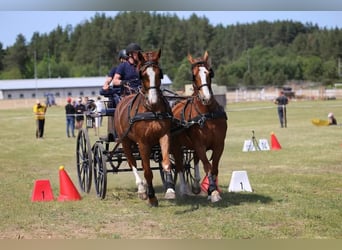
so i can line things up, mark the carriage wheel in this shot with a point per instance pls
(84, 160)
(190, 176)
(100, 170)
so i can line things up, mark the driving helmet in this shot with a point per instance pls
(133, 47)
(330, 115)
(122, 54)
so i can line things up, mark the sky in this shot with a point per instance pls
(13, 23)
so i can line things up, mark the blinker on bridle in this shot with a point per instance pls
(204, 64)
(149, 64)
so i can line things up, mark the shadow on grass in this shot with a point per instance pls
(228, 199)
(193, 203)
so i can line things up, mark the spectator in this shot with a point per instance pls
(79, 111)
(39, 111)
(99, 108)
(89, 104)
(332, 119)
(70, 112)
(282, 101)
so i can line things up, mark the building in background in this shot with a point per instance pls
(55, 87)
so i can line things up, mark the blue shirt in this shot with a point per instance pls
(128, 72)
(112, 72)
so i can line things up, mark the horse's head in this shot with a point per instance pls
(150, 75)
(201, 75)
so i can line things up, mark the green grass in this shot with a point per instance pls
(297, 190)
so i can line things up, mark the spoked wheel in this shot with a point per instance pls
(100, 170)
(190, 172)
(84, 160)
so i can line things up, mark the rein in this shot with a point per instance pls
(144, 116)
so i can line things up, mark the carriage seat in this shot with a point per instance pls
(113, 95)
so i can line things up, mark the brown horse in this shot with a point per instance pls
(143, 120)
(205, 126)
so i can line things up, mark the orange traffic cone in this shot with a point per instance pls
(205, 184)
(67, 189)
(274, 142)
(42, 191)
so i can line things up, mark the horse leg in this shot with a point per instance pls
(179, 167)
(142, 193)
(165, 150)
(196, 188)
(213, 193)
(145, 152)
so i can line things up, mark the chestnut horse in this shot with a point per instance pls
(143, 120)
(205, 126)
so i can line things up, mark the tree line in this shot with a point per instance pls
(255, 54)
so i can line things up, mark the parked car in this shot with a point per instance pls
(288, 92)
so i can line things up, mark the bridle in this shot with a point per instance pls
(144, 68)
(208, 84)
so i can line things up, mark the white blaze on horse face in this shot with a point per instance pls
(152, 92)
(203, 75)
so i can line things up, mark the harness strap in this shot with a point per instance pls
(143, 116)
(201, 118)
(150, 116)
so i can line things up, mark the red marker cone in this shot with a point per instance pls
(42, 191)
(275, 145)
(205, 184)
(67, 189)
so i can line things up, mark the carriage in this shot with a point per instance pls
(106, 155)
(120, 144)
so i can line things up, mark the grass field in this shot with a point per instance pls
(297, 190)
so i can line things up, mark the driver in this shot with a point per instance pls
(127, 72)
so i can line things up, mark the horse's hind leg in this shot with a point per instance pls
(142, 194)
(177, 152)
(196, 187)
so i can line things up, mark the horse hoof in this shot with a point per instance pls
(142, 195)
(215, 196)
(153, 202)
(196, 189)
(184, 191)
(170, 194)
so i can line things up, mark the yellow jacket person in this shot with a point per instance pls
(39, 111)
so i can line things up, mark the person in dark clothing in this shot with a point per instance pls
(282, 101)
(113, 91)
(80, 109)
(122, 57)
(126, 73)
(70, 112)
